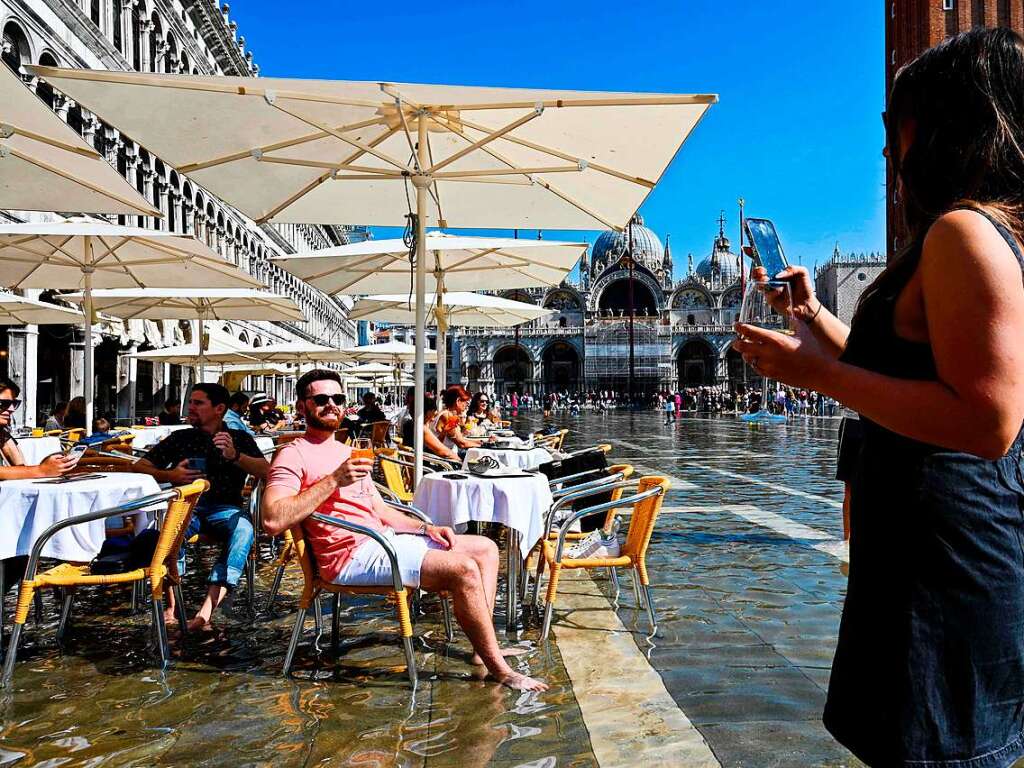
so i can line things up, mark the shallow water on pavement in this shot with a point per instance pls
(748, 616)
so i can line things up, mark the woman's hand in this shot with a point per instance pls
(801, 289)
(796, 360)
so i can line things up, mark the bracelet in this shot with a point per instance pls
(423, 529)
(812, 318)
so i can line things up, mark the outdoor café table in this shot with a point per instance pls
(264, 443)
(516, 458)
(35, 449)
(147, 437)
(519, 503)
(31, 506)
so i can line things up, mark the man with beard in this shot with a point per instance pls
(317, 473)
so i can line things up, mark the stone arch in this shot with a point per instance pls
(156, 36)
(690, 296)
(243, 336)
(513, 368)
(43, 89)
(563, 299)
(171, 57)
(17, 49)
(139, 14)
(561, 367)
(615, 298)
(641, 277)
(696, 362)
(731, 302)
(96, 12)
(518, 294)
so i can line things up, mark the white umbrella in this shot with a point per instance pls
(89, 254)
(345, 152)
(297, 352)
(457, 308)
(370, 370)
(17, 310)
(218, 349)
(391, 352)
(199, 304)
(45, 165)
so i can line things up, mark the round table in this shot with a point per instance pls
(519, 503)
(35, 449)
(147, 437)
(31, 506)
(516, 458)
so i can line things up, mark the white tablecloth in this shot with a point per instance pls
(30, 507)
(517, 459)
(35, 449)
(147, 437)
(519, 503)
(265, 443)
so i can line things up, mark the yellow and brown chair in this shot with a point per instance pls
(162, 570)
(646, 504)
(92, 461)
(381, 431)
(313, 586)
(552, 442)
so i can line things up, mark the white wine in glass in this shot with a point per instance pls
(768, 305)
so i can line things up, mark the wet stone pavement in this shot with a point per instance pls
(748, 579)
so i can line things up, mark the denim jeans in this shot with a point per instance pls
(233, 529)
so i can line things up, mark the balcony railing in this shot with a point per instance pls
(524, 331)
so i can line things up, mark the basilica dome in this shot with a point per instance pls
(611, 246)
(722, 267)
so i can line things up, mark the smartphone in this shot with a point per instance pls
(76, 453)
(197, 464)
(764, 241)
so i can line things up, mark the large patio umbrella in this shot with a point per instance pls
(297, 352)
(392, 353)
(17, 310)
(454, 309)
(198, 304)
(353, 152)
(89, 254)
(219, 349)
(45, 165)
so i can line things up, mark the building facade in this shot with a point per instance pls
(681, 330)
(841, 280)
(183, 36)
(914, 26)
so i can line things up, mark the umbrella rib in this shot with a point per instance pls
(85, 150)
(45, 257)
(390, 259)
(435, 191)
(494, 134)
(656, 100)
(565, 156)
(515, 171)
(353, 142)
(299, 162)
(112, 252)
(284, 144)
(82, 182)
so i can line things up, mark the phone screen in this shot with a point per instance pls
(767, 247)
(76, 452)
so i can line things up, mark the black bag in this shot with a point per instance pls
(574, 465)
(120, 554)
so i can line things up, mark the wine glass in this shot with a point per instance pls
(768, 304)
(362, 448)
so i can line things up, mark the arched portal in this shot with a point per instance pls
(616, 299)
(696, 363)
(512, 369)
(15, 47)
(561, 368)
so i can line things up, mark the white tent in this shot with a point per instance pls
(46, 166)
(334, 152)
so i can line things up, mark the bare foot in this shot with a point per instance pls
(507, 653)
(200, 624)
(518, 682)
(170, 619)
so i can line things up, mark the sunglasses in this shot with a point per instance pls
(8, 404)
(321, 400)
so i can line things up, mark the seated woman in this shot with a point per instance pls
(12, 462)
(481, 412)
(449, 424)
(431, 443)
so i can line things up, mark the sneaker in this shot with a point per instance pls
(599, 543)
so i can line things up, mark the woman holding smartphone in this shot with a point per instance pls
(929, 667)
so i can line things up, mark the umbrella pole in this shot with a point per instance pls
(87, 306)
(422, 183)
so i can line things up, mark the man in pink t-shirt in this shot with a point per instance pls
(316, 473)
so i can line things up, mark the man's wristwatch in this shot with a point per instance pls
(423, 530)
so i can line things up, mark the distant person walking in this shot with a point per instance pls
(670, 409)
(929, 667)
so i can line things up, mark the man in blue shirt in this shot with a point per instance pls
(237, 405)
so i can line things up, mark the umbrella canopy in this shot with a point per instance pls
(457, 308)
(370, 370)
(17, 310)
(322, 152)
(454, 263)
(392, 352)
(297, 352)
(88, 254)
(221, 349)
(45, 164)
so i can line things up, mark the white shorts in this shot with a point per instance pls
(370, 565)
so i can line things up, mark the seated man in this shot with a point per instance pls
(370, 413)
(171, 414)
(225, 457)
(317, 474)
(237, 405)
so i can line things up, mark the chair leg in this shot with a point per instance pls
(335, 622)
(637, 590)
(318, 615)
(12, 652)
(135, 597)
(38, 601)
(161, 632)
(446, 612)
(536, 580)
(614, 574)
(405, 625)
(275, 587)
(550, 607)
(650, 609)
(179, 606)
(300, 619)
(65, 616)
(250, 585)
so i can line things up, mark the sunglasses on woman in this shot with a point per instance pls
(321, 400)
(7, 403)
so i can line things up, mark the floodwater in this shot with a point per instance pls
(749, 607)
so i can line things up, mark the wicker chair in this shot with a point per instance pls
(162, 568)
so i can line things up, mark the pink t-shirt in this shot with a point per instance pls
(303, 463)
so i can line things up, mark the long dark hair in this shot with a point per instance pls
(965, 99)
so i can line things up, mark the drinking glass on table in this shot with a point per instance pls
(768, 305)
(362, 448)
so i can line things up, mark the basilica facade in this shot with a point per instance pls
(167, 36)
(681, 329)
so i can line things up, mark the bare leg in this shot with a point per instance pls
(170, 617)
(214, 596)
(459, 574)
(846, 512)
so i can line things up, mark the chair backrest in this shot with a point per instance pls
(341, 435)
(54, 432)
(93, 463)
(74, 435)
(645, 514)
(284, 439)
(380, 433)
(302, 553)
(394, 474)
(122, 443)
(179, 512)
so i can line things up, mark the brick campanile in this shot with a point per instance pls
(913, 26)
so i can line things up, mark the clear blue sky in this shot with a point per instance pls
(797, 130)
